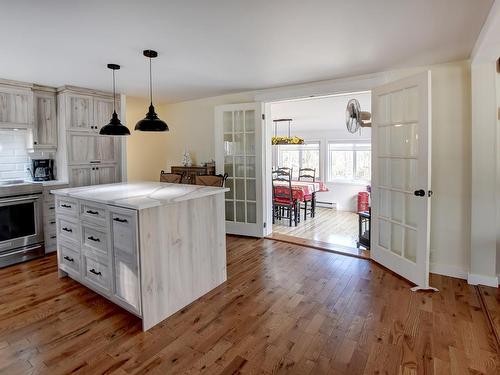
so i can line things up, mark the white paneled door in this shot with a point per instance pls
(238, 150)
(401, 177)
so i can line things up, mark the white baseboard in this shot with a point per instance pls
(475, 279)
(446, 270)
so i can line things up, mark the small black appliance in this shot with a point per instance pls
(42, 169)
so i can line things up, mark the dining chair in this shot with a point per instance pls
(283, 201)
(211, 180)
(286, 169)
(308, 174)
(173, 178)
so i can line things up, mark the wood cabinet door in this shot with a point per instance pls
(16, 107)
(80, 113)
(105, 174)
(45, 130)
(81, 148)
(103, 110)
(107, 149)
(81, 175)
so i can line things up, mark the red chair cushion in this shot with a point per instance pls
(283, 201)
(308, 197)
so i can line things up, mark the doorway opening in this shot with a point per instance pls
(329, 171)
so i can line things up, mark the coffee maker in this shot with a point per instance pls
(42, 169)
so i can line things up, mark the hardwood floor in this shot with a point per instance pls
(284, 309)
(330, 226)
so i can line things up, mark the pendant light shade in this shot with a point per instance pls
(151, 123)
(115, 127)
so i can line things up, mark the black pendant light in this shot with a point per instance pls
(115, 127)
(151, 123)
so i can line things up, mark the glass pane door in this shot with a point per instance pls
(238, 150)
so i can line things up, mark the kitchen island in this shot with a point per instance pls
(150, 247)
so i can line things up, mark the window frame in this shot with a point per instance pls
(361, 145)
(306, 142)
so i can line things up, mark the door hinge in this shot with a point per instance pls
(263, 116)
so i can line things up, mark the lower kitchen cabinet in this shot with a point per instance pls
(97, 245)
(93, 174)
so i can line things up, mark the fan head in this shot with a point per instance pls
(354, 117)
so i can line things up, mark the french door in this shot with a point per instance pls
(238, 150)
(401, 177)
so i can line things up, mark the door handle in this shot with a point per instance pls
(95, 272)
(419, 193)
(120, 220)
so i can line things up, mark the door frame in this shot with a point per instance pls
(309, 91)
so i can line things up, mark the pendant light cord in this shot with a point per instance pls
(114, 93)
(150, 83)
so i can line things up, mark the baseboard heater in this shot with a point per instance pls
(326, 204)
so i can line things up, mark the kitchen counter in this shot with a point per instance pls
(140, 195)
(150, 247)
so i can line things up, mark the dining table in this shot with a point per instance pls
(302, 190)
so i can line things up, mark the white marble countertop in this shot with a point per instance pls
(54, 183)
(139, 195)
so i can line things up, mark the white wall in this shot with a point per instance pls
(192, 124)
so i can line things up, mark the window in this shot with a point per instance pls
(349, 161)
(299, 156)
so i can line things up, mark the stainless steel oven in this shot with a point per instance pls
(21, 227)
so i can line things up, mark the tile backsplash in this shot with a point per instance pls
(14, 159)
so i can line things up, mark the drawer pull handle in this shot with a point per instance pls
(66, 205)
(92, 238)
(67, 230)
(52, 222)
(92, 212)
(120, 220)
(69, 259)
(95, 272)
(53, 237)
(51, 207)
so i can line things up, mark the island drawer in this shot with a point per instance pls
(95, 238)
(93, 212)
(67, 206)
(97, 272)
(70, 260)
(124, 229)
(67, 229)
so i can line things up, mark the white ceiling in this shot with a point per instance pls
(219, 46)
(317, 114)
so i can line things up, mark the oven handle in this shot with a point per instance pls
(20, 199)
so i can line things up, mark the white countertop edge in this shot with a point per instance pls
(137, 202)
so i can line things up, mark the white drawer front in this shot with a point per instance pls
(124, 232)
(68, 230)
(95, 239)
(127, 282)
(93, 212)
(49, 224)
(67, 207)
(49, 209)
(97, 272)
(70, 260)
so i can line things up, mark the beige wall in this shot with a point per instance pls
(192, 126)
(146, 152)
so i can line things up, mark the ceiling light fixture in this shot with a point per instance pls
(115, 127)
(151, 123)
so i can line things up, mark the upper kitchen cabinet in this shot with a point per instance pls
(80, 112)
(16, 104)
(86, 110)
(45, 126)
